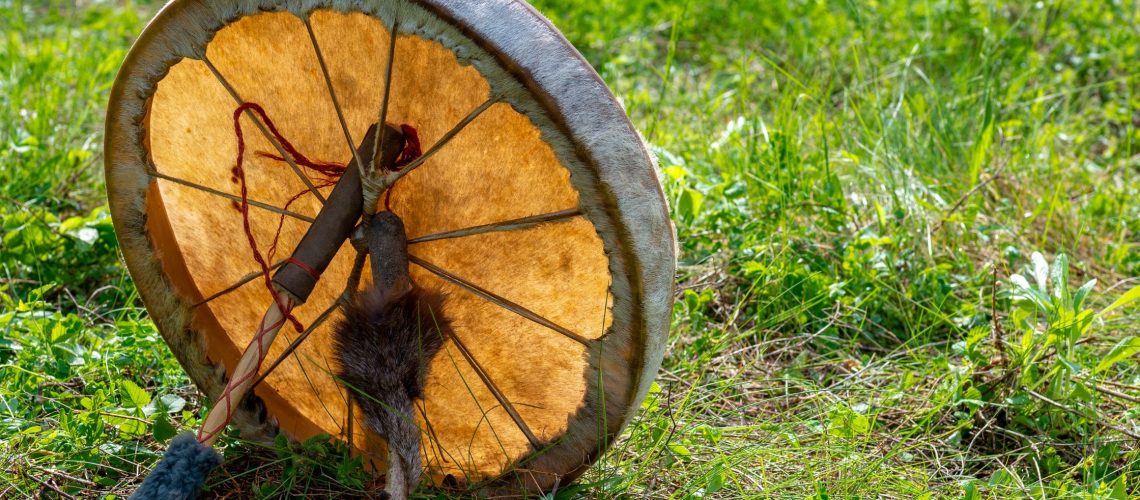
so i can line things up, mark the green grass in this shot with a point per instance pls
(854, 184)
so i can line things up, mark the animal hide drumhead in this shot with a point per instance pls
(576, 328)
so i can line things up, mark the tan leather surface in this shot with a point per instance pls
(498, 168)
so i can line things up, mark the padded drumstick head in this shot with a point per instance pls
(181, 471)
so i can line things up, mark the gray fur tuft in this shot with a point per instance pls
(385, 344)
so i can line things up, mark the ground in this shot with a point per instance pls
(888, 214)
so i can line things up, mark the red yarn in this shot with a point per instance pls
(239, 171)
(316, 275)
(410, 153)
(411, 147)
(330, 170)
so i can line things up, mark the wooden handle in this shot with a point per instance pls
(336, 219)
